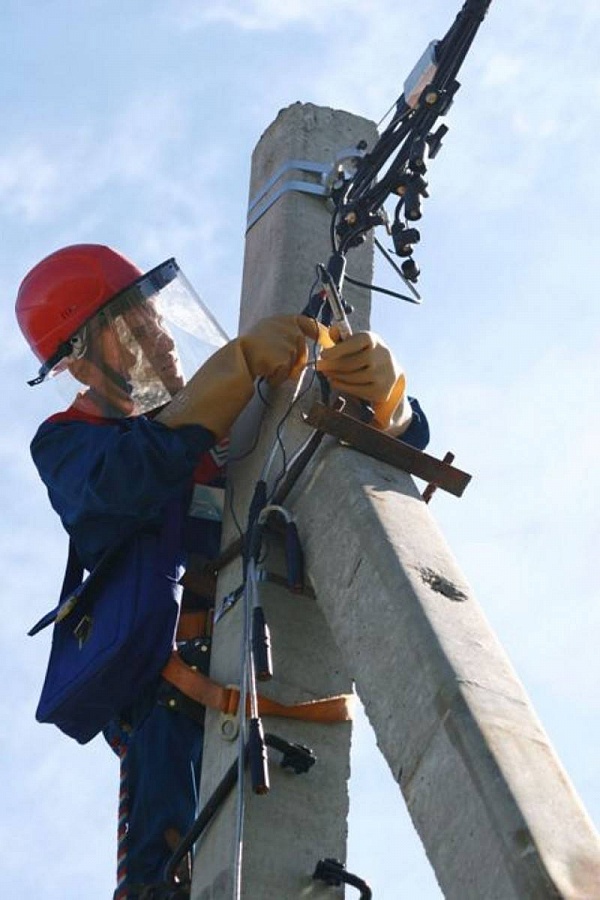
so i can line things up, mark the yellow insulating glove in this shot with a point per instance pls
(217, 393)
(364, 366)
(275, 348)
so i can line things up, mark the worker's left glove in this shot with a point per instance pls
(364, 366)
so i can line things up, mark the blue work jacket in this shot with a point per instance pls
(106, 476)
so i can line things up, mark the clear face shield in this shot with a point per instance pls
(141, 348)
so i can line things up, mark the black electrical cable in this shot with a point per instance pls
(360, 204)
(239, 458)
(381, 290)
(281, 423)
(450, 52)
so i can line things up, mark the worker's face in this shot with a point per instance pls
(150, 332)
(129, 356)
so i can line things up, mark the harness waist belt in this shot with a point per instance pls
(207, 692)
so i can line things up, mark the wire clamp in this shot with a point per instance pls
(333, 873)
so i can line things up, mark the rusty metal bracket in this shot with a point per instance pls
(360, 436)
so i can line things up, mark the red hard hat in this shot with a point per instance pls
(61, 293)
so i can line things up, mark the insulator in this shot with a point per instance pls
(415, 189)
(410, 270)
(412, 206)
(419, 153)
(434, 140)
(404, 238)
(412, 235)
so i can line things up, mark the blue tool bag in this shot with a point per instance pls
(113, 630)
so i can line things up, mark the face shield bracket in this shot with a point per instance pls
(64, 350)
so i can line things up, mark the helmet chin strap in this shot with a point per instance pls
(93, 402)
(109, 401)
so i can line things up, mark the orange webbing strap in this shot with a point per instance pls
(193, 624)
(204, 690)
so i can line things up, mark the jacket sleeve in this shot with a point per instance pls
(103, 478)
(417, 433)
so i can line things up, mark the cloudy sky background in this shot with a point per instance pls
(132, 124)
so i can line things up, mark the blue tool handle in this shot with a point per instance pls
(294, 557)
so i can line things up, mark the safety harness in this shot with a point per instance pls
(186, 688)
(186, 682)
(204, 691)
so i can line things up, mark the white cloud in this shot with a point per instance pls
(501, 69)
(261, 15)
(76, 180)
(29, 177)
(43, 174)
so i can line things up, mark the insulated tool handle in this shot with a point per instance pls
(257, 753)
(261, 645)
(332, 278)
(294, 558)
(254, 530)
(324, 339)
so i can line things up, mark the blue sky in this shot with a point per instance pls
(132, 124)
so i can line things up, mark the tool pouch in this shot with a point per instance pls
(113, 630)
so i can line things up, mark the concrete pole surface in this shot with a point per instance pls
(495, 810)
(304, 817)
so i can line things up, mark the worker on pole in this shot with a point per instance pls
(147, 424)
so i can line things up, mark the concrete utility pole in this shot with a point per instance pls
(496, 812)
(303, 818)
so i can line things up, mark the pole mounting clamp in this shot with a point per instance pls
(328, 175)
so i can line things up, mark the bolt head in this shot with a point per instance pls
(228, 729)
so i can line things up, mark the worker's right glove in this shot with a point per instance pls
(274, 349)
(364, 367)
